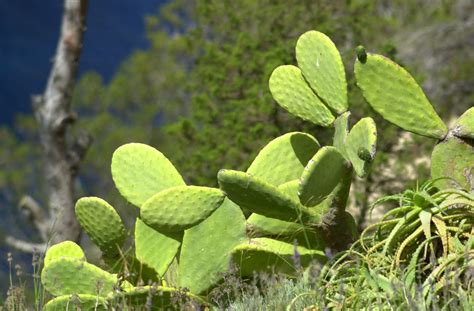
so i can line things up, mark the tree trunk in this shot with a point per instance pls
(61, 155)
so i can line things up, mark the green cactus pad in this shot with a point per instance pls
(179, 208)
(155, 249)
(291, 91)
(264, 226)
(102, 223)
(454, 158)
(158, 298)
(140, 171)
(395, 95)
(66, 276)
(361, 144)
(284, 158)
(66, 249)
(341, 130)
(322, 67)
(76, 302)
(464, 126)
(322, 174)
(206, 251)
(257, 196)
(263, 254)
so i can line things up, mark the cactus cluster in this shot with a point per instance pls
(289, 205)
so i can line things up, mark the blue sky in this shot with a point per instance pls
(28, 35)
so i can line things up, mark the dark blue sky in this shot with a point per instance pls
(29, 32)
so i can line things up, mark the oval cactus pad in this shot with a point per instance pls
(321, 65)
(291, 91)
(155, 249)
(102, 223)
(67, 276)
(257, 196)
(464, 126)
(284, 158)
(207, 248)
(140, 171)
(180, 208)
(66, 249)
(322, 174)
(394, 94)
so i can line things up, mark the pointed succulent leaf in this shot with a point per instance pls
(257, 196)
(454, 158)
(290, 90)
(67, 276)
(206, 252)
(66, 249)
(76, 302)
(395, 95)
(102, 223)
(322, 67)
(284, 158)
(179, 208)
(321, 176)
(341, 130)
(263, 254)
(140, 171)
(464, 126)
(156, 249)
(361, 145)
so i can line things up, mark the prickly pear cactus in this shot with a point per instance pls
(394, 94)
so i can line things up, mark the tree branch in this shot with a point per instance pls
(33, 211)
(25, 246)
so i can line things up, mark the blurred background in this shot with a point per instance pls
(190, 78)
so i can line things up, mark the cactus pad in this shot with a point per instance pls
(361, 145)
(454, 158)
(66, 276)
(102, 223)
(66, 249)
(206, 250)
(322, 175)
(140, 171)
(155, 249)
(395, 95)
(263, 254)
(257, 196)
(284, 158)
(464, 126)
(291, 91)
(341, 130)
(322, 67)
(179, 208)
(76, 302)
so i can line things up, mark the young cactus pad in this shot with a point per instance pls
(140, 171)
(341, 130)
(322, 174)
(361, 145)
(102, 223)
(291, 91)
(284, 158)
(179, 208)
(321, 65)
(395, 95)
(66, 249)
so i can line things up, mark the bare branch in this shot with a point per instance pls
(25, 246)
(33, 211)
